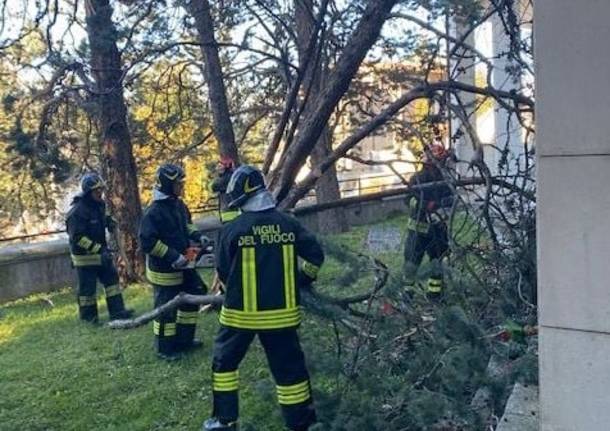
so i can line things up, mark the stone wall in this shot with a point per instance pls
(45, 266)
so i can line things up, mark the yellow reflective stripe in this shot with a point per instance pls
(267, 319)
(85, 242)
(435, 285)
(294, 394)
(289, 284)
(187, 317)
(87, 300)
(169, 329)
(248, 277)
(225, 382)
(310, 269)
(416, 226)
(191, 228)
(165, 278)
(95, 248)
(86, 259)
(113, 290)
(159, 250)
(227, 216)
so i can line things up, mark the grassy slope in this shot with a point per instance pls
(59, 374)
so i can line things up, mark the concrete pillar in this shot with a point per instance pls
(464, 147)
(573, 150)
(507, 130)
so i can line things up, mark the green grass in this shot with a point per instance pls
(57, 373)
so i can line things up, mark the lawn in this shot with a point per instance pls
(59, 374)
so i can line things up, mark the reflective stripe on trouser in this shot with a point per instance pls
(435, 285)
(287, 364)
(176, 329)
(109, 277)
(86, 292)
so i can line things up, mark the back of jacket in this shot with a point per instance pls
(165, 231)
(86, 226)
(257, 260)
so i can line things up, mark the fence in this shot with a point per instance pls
(349, 187)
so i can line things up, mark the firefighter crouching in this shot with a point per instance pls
(257, 261)
(167, 236)
(427, 231)
(86, 224)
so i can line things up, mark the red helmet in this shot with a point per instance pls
(438, 151)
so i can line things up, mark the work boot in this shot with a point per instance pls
(127, 313)
(214, 424)
(169, 356)
(194, 345)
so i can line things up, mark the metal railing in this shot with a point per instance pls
(349, 187)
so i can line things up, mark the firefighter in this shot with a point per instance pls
(427, 231)
(224, 170)
(257, 261)
(86, 224)
(168, 237)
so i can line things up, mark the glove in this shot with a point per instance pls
(204, 241)
(180, 263)
(106, 258)
(110, 223)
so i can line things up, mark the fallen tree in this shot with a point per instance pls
(323, 305)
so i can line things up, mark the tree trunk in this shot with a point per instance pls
(327, 187)
(223, 127)
(118, 163)
(361, 40)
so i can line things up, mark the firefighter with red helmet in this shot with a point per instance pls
(258, 262)
(427, 230)
(167, 236)
(86, 224)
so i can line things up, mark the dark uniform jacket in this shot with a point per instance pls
(257, 262)
(423, 201)
(165, 231)
(219, 186)
(86, 225)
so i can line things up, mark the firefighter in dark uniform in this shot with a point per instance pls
(167, 236)
(224, 170)
(427, 231)
(258, 262)
(86, 224)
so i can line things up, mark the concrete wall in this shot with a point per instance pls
(45, 266)
(573, 146)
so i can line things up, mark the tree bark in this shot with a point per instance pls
(118, 163)
(327, 187)
(223, 127)
(361, 40)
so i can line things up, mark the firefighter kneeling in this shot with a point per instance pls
(166, 236)
(257, 263)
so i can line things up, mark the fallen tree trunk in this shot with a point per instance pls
(322, 305)
(180, 299)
